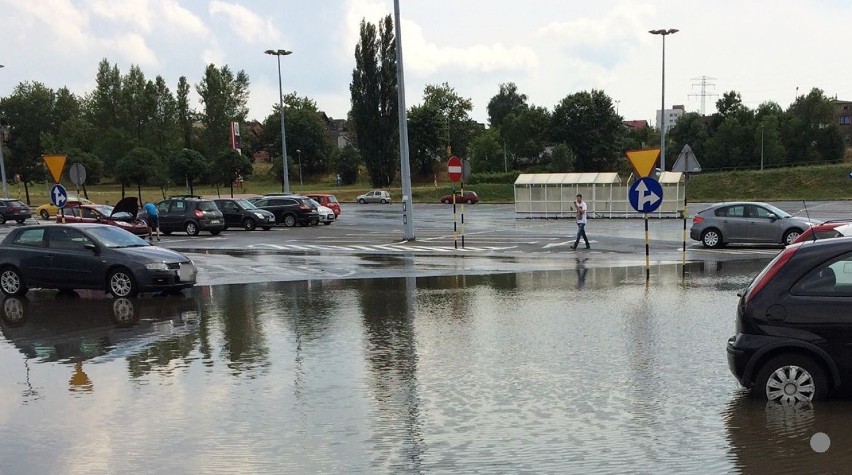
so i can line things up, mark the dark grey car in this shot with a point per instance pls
(89, 256)
(746, 222)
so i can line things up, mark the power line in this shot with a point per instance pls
(704, 94)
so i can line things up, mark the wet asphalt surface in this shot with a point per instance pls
(343, 349)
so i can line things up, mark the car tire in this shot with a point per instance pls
(216, 232)
(12, 282)
(191, 228)
(20, 221)
(2, 219)
(266, 228)
(446, 202)
(790, 235)
(121, 283)
(384, 201)
(711, 238)
(791, 378)
(362, 201)
(289, 220)
(44, 214)
(470, 202)
(249, 224)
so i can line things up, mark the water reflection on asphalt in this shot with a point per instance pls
(585, 370)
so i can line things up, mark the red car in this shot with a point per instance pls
(125, 215)
(469, 197)
(828, 229)
(328, 200)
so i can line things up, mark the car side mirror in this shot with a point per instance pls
(92, 247)
(772, 217)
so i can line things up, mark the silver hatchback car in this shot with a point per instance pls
(746, 222)
(375, 196)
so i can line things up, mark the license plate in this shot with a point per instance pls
(187, 272)
(215, 221)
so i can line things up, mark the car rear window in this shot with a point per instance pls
(207, 206)
(332, 199)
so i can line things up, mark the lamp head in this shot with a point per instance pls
(278, 52)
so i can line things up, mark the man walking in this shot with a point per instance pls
(153, 220)
(581, 222)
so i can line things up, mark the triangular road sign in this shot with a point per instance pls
(55, 163)
(643, 160)
(686, 162)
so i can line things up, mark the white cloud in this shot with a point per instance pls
(147, 15)
(62, 20)
(246, 24)
(133, 47)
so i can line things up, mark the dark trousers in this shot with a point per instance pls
(581, 233)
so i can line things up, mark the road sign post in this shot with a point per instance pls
(455, 169)
(646, 194)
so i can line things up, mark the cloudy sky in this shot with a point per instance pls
(766, 50)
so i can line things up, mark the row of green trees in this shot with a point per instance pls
(581, 133)
(136, 131)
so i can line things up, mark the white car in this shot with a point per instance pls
(326, 214)
(374, 196)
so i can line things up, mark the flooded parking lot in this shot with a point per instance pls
(583, 370)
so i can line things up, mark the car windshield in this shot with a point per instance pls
(778, 212)
(114, 237)
(246, 204)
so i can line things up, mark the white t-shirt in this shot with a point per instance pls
(581, 209)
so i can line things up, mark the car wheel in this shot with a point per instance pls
(249, 224)
(266, 228)
(215, 232)
(289, 220)
(2, 219)
(122, 284)
(446, 202)
(384, 201)
(191, 228)
(711, 238)
(12, 282)
(470, 202)
(791, 378)
(362, 201)
(44, 214)
(791, 235)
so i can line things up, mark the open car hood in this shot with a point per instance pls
(129, 205)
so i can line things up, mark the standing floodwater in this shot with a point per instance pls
(577, 371)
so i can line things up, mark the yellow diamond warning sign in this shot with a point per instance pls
(55, 163)
(643, 161)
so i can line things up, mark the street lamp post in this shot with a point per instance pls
(405, 166)
(285, 186)
(761, 147)
(663, 33)
(299, 151)
(2, 160)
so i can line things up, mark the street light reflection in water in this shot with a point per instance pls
(581, 371)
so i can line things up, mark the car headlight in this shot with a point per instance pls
(259, 215)
(157, 266)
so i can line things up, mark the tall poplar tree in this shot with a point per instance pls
(374, 101)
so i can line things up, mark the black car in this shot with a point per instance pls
(191, 214)
(794, 324)
(89, 256)
(244, 213)
(14, 210)
(290, 210)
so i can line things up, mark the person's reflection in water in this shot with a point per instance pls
(581, 272)
(80, 381)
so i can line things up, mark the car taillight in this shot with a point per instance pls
(697, 220)
(199, 214)
(770, 271)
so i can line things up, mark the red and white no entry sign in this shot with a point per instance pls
(454, 168)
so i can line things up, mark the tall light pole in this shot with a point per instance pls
(285, 186)
(663, 33)
(299, 151)
(405, 167)
(2, 160)
(761, 147)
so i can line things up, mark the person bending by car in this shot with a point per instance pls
(153, 220)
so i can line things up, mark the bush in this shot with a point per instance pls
(498, 178)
